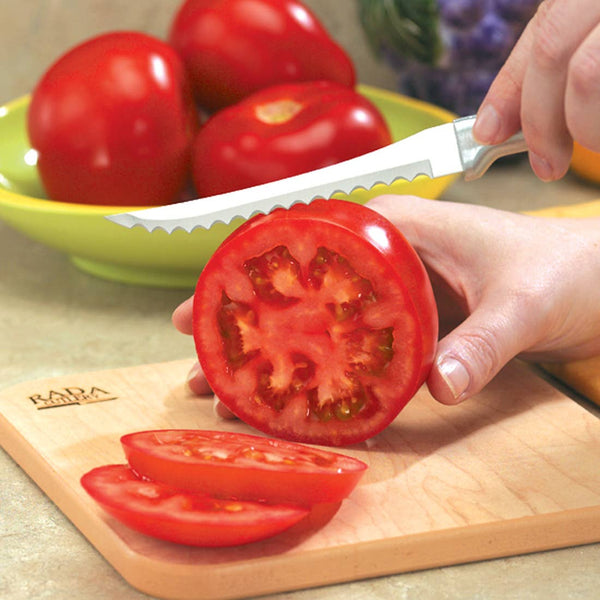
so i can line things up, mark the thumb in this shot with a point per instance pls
(471, 355)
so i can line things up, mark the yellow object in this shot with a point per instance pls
(570, 211)
(583, 376)
(586, 163)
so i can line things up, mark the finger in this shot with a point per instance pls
(440, 232)
(196, 381)
(420, 220)
(582, 98)
(182, 316)
(222, 411)
(499, 115)
(472, 354)
(543, 119)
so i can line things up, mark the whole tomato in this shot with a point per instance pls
(113, 121)
(282, 131)
(232, 48)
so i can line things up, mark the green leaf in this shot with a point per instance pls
(408, 28)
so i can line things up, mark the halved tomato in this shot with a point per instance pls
(238, 465)
(317, 323)
(167, 513)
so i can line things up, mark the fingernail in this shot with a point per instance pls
(455, 375)
(220, 410)
(541, 167)
(487, 125)
(194, 372)
(196, 382)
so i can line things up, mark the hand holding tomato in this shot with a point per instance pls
(113, 122)
(233, 48)
(506, 285)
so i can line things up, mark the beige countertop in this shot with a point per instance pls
(55, 320)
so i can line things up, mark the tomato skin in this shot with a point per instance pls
(233, 48)
(282, 131)
(286, 366)
(113, 121)
(166, 513)
(235, 465)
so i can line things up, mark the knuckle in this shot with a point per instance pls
(548, 50)
(480, 345)
(523, 318)
(509, 84)
(584, 73)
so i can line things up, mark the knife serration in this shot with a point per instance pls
(435, 152)
(258, 199)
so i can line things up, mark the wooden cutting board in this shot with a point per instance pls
(515, 470)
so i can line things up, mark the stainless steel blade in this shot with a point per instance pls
(434, 152)
(259, 199)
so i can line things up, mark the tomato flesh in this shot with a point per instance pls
(235, 465)
(344, 296)
(306, 323)
(173, 515)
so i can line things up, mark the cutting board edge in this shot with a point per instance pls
(368, 559)
(364, 560)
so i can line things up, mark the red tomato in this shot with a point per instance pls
(315, 324)
(283, 131)
(183, 517)
(113, 121)
(236, 465)
(232, 48)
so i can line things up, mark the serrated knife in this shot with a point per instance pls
(435, 152)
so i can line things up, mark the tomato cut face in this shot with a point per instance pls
(170, 514)
(237, 465)
(316, 324)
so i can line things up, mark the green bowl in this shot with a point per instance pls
(136, 256)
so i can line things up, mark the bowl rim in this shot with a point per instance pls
(9, 198)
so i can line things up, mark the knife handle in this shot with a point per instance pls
(477, 158)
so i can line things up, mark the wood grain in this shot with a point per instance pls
(514, 470)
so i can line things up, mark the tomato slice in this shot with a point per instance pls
(238, 465)
(316, 324)
(194, 519)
